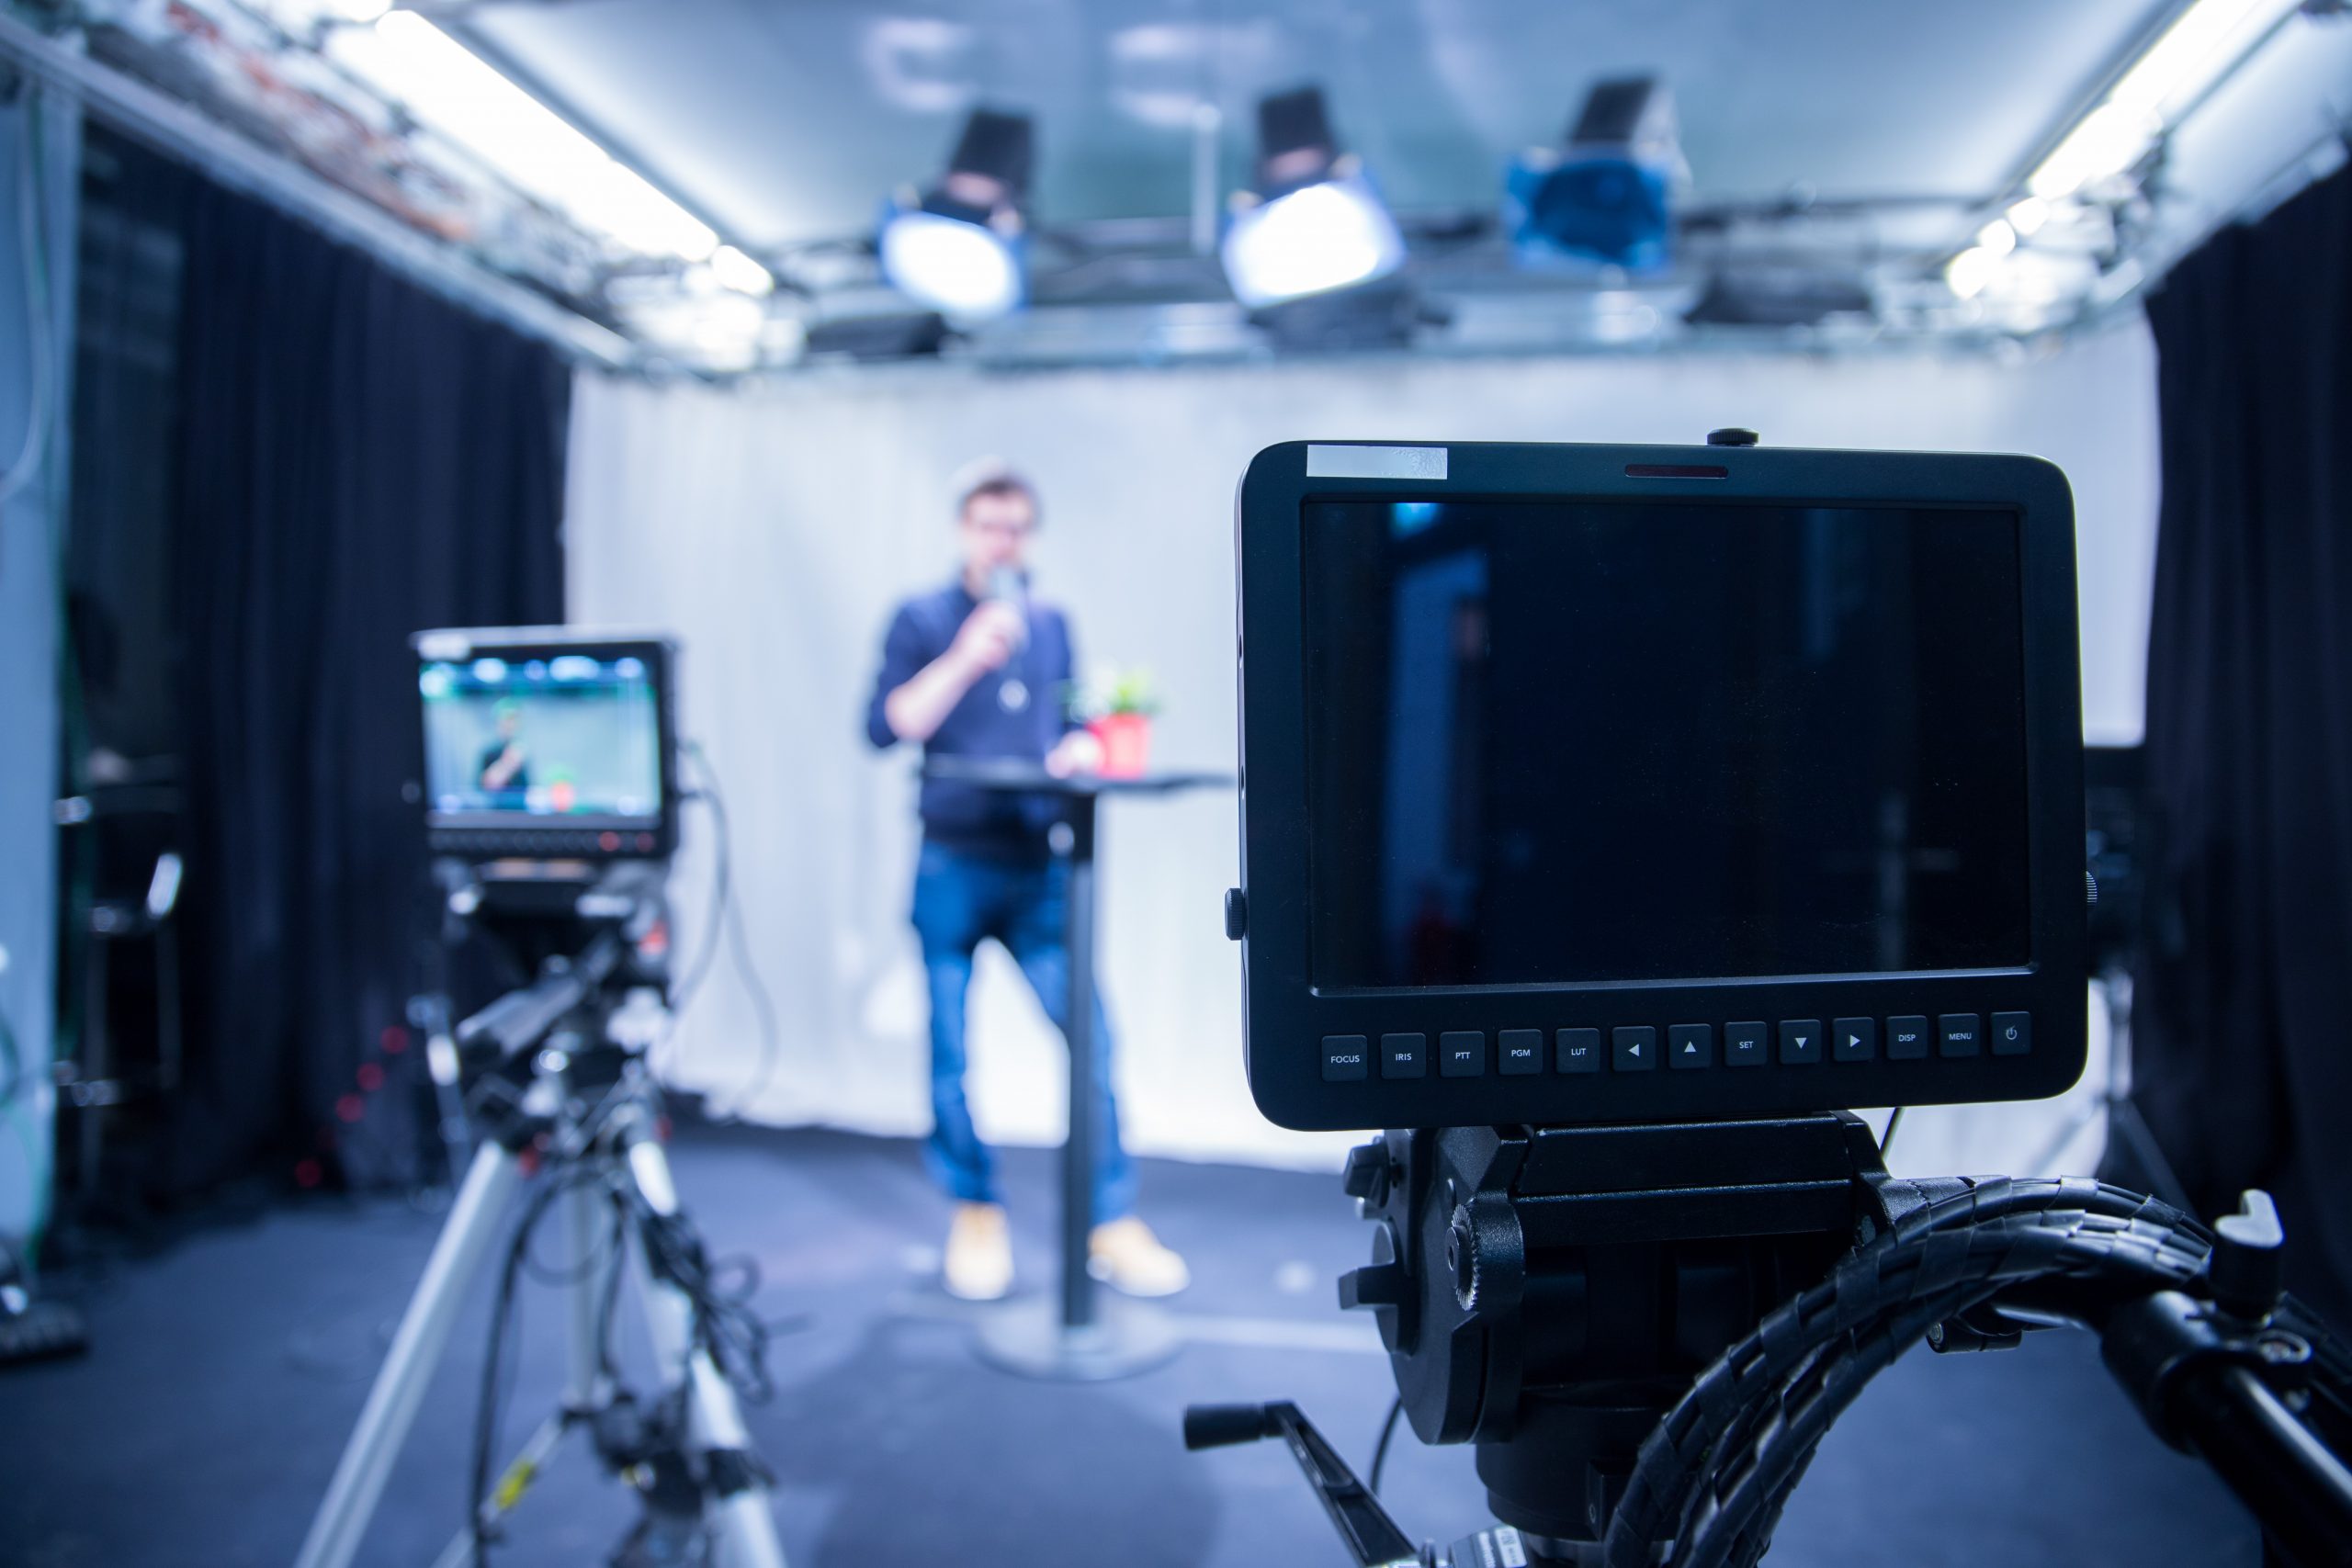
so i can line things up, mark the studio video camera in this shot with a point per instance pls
(1613, 817)
(550, 802)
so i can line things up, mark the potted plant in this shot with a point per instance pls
(1118, 714)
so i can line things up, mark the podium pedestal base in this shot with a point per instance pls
(1028, 1338)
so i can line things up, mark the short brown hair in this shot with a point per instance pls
(990, 478)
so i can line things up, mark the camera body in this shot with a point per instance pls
(1591, 783)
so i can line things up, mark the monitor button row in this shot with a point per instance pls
(1636, 1048)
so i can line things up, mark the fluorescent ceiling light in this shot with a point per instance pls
(2028, 216)
(1998, 237)
(735, 270)
(2109, 139)
(452, 90)
(966, 270)
(1326, 236)
(1970, 271)
(2203, 44)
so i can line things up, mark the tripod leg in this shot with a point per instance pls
(587, 1292)
(740, 1515)
(423, 1334)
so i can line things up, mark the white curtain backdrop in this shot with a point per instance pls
(773, 528)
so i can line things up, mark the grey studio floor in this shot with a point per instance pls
(229, 1365)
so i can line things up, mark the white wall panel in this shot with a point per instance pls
(774, 527)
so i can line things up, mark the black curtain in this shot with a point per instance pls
(357, 459)
(2244, 1001)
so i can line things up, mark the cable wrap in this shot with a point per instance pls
(1712, 1477)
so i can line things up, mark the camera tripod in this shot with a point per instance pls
(580, 1105)
(1646, 1330)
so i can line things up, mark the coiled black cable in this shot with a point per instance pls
(1714, 1475)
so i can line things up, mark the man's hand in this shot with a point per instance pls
(1079, 753)
(987, 641)
(989, 637)
(500, 773)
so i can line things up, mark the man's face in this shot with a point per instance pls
(995, 532)
(510, 725)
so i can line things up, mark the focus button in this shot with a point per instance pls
(1343, 1057)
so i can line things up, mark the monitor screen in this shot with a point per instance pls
(542, 735)
(1552, 741)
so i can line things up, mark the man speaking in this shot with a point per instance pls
(977, 668)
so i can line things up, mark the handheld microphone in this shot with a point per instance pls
(1007, 585)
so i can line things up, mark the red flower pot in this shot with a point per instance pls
(1126, 739)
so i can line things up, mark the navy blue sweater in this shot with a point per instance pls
(990, 721)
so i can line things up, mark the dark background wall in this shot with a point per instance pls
(2245, 996)
(304, 459)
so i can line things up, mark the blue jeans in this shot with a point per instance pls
(959, 899)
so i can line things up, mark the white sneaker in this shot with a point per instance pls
(1127, 1256)
(979, 1264)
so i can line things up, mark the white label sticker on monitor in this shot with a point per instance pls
(1375, 462)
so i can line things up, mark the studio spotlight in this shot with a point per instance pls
(1314, 223)
(1605, 195)
(958, 247)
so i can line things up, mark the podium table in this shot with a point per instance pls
(1083, 1336)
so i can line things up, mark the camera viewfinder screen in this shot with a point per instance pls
(543, 735)
(1559, 741)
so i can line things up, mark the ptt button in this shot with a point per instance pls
(1579, 1049)
(1343, 1057)
(1853, 1038)
(1461, 1053)
(1518, 1052)
(2012, 1033)
(1690, 1045)
(1800, 1040)
(1636, 1048)
(1959, 1035)
(1403, 1055)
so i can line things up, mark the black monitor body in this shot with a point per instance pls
(1625, 784)
(595, 777)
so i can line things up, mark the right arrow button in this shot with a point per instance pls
(1853, 1038)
